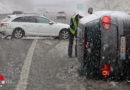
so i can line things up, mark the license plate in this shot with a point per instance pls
(123, 48)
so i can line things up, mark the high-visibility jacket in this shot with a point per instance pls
(73, 30)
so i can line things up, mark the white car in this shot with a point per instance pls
(19, 26)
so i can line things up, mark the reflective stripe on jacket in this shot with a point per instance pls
(73, 31)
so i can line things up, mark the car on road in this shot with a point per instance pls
(19, 26)
(17, 12)
(61, 15)
(104, 45)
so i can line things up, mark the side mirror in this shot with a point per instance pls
(90, 10)
(51, 23)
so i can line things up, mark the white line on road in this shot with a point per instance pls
(22, 84)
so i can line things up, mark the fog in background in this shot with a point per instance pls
(121, 5)
(11, 5)
(69, 6)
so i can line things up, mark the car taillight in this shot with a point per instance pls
(1, 77)
(105, 70)
(106, 22)
(3, 24)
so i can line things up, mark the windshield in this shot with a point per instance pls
(87, 49)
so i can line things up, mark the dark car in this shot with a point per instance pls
(61, 15)
(104, 45)
(17, 12)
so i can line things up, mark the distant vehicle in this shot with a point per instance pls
(104, 45)
(61, 15)
(19, 26)
(17, 12)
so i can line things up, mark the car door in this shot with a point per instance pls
(45, 27)
(27, 23)
(30, 25)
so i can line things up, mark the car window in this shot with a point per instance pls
(61, 13)
(42, 20)
(19, 19)
(25, 19)
(29, 19)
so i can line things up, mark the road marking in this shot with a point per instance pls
(22, 84)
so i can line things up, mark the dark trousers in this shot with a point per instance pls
(70, 48)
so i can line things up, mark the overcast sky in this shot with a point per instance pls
(62, 5)
(57, 1)
(49, 5)
(58, 4)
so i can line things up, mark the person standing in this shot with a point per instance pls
(73, 33)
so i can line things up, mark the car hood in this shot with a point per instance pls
(63, 25)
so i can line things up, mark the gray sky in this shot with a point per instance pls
(58, 4)
(57, 1)
(62, 5)
(49, 5)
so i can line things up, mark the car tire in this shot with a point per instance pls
(64, 34)
(18, 33)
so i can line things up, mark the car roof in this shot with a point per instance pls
(99, 14)
(17, 11)
(12, 17)
(22, 15)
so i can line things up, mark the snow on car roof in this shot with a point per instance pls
(22, 15)
(99, 14)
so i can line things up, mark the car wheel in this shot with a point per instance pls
(18, 33)
(64, 34)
